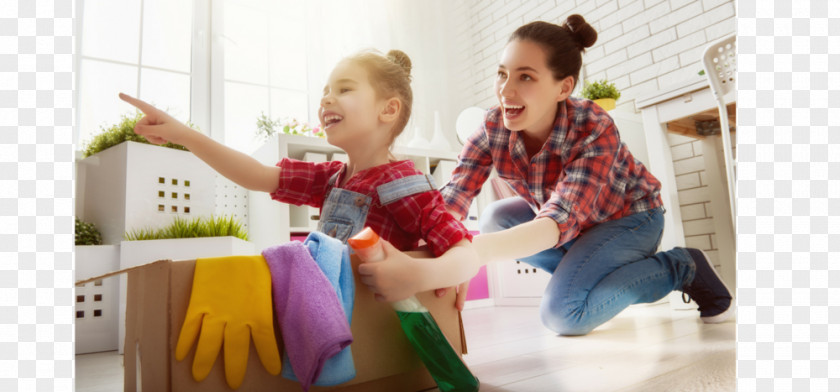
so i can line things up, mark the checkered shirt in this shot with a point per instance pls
(403, 223)
(583, 175)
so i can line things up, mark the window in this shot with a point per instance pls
(218, 63)
(138, 47)
(264, 67)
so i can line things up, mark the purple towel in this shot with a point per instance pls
(310, 315)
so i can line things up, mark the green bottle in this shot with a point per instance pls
(445, 366)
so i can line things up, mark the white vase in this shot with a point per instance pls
(417, 140)
(439, 141)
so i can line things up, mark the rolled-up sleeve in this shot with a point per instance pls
(304, 183)
(473, 168)
(425, 213)
(585, 176)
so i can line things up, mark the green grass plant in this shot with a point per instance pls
(221, 226)
(121, 132)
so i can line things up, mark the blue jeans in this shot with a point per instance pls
(600, 272)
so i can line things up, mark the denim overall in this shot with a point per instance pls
(344, 212)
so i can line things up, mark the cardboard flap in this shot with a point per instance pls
(146, 359)
(115, 273)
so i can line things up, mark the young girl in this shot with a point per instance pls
(588, 212)
(365, 106)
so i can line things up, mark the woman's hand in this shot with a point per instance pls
(394, 278)
(157, 126)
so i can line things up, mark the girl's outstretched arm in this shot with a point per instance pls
(159, 127)
(400, 275)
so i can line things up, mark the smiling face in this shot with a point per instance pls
(526, 89)
(349, 109)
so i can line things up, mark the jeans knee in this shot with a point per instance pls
(489, 224)
(491, 219)
(504, 214)
(564, 320)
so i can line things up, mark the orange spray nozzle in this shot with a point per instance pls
(365, 239)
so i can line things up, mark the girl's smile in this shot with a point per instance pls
(330, 118)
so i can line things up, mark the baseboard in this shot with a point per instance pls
(479, 303)
(518, 301)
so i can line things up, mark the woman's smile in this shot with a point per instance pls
(513, 112)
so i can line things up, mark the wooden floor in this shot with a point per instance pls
(645, 348)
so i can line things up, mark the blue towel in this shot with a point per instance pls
(333, 257)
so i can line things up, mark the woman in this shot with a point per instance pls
(588, 212)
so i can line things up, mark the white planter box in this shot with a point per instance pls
(134, 186)
(134, 253)
(519, 284)
(96, 303)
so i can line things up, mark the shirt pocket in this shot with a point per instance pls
(338, 228)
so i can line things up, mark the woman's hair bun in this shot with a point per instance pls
(400, 58)
(584, 34)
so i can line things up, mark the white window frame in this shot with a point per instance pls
(207, 67)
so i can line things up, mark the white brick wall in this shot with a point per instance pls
(693, 194)
(643, 45)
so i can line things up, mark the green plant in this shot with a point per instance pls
(600, 89)
(121, 132)
(87, 234)
(192, 228)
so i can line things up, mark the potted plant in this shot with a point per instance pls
(602, 92)
(185, 238)
(180, 239)
(123, 131)
(95, 303)
(87, 234)
(266, 127)
(123, 181)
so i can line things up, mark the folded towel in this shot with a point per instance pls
(333, 257)
(311, 318)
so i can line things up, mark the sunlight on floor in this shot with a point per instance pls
(645, 348)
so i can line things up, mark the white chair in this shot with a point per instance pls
(719, 62)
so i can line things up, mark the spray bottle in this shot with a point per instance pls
(445, 366)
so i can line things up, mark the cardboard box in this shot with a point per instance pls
(158, 296)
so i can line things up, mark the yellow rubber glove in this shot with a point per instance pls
(230, 301)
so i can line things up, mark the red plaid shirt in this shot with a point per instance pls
(403, 223)
(582, 176)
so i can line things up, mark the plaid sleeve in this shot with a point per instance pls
(473, 168)
(304, 182)
(425, 213)
(576, 197)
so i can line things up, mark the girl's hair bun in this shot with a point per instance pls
(400, 58)
(584, 34)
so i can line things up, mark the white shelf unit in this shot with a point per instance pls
(272, 223)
